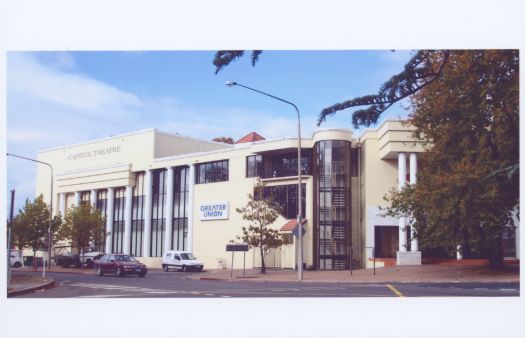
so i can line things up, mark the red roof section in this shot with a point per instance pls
(251, 137)
(291, 224)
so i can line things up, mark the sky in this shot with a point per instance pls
(61, 98)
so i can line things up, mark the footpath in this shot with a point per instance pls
(392, 274)
(22, 282)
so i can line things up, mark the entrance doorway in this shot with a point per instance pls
(386, 241)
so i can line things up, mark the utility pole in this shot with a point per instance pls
(10, 230)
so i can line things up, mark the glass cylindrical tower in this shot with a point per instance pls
(332, 221)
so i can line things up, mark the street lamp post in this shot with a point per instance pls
(299, 190)
(50, 211)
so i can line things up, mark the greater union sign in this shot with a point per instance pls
(214, 211)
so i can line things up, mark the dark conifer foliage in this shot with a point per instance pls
(225, 57)
(422, 69)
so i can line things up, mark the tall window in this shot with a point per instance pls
(212, 172)
(355, 162)
(84, 197)
(118, 220)
(137, 215)
(254, 166)
(286, 197)
(101, 204)
(158, 218)
(180, 208)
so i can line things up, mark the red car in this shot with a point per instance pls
(120, 265)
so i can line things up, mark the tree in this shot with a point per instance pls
(31, 226)
(84, 226)
(467, 187)
(225, 57)
(465, 109)
(261, 213)
(223, 139)
(421, 70)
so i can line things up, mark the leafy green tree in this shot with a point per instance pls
(84, 226)
(465, 109)
(31, 225)
(467, 187)
(261, 213)
(223, 139)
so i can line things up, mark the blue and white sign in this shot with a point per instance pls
(214, 211)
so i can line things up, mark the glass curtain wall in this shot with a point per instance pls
(283, 165)
(333, 214)
(286, 197)
(118, 220)
(158, 218)
(101, 204)
(181, 190)
(137, 215)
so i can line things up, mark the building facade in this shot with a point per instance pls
(160, 191)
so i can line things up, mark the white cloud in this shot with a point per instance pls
(26, 75)
(51, 104)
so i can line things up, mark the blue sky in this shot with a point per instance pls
(59, 98)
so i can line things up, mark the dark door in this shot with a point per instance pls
(109, 265)
(386, 241)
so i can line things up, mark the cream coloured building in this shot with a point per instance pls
(160, 191)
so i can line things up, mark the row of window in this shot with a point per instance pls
(280, 165)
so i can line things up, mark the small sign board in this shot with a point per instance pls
(237, 247)
(296, 231)
(214, 211)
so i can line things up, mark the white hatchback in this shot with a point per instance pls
(181, 260)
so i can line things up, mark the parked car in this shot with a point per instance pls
(90, 257)
(28, 261)
(120, 265)
(15, 261)
(68, 259)
(181, 260)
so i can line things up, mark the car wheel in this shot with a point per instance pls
(17, 264)
(199, 269)
(165, 267)
(142, 274)
(119, 272)
(99, 271)
(184, 268)
(89, 263)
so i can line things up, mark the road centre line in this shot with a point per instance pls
(394, 290)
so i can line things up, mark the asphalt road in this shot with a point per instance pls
(158, 283)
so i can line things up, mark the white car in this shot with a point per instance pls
(181, 260)
(15, 261)
(90, 257)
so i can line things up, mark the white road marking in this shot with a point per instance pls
(133, 289)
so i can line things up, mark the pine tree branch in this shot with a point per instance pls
(225, 57)
(418, 73)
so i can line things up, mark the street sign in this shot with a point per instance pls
(295, 231)
(237, 247)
